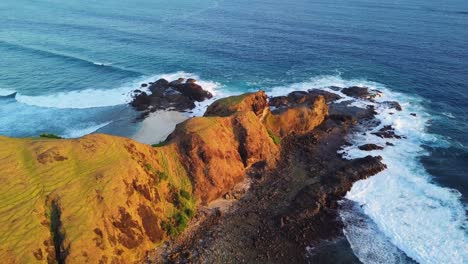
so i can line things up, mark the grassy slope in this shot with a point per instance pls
(95, 182)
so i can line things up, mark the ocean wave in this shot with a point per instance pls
(68, 57)
(422, 219)
(85, 130)
(90, 98)
(365, 238)
(6, 92)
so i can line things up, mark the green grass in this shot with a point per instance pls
(178, 222)
(275, 138)
(148, 167)
(185, 194)
(160, 144)
(162, 176)
(46, 135)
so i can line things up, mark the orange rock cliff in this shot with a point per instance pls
(108, 199)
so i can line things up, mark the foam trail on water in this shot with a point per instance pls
(90, 98)
(426, 221)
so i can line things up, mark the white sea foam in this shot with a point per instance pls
(426, 221)
(102, 63)
(365, 238)
(5, 92)
(90, 98)
(79, 132)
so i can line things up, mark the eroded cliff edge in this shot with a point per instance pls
(107, 199)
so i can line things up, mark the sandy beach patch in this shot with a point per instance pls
(158, 125)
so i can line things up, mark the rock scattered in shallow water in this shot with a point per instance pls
(369, 147)
(387, 132)
(360, 92)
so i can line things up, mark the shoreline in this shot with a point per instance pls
(158, 125)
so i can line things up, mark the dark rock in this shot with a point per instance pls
(193, 91)
(144, 85)
(413, 114)
(175, 95)
(359, 92)
(389, 144)
(141, 101)
(393, 105)
(177, 82)
(386, 132)
(190, 80)
(329, 97)
(369, 147)
(158, 87)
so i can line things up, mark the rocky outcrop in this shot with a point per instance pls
(218, 150)
(298, 113)
(107, 199)
(370, 147)
(294, 206)
(360, 92)
(177, 95)
(255, 102)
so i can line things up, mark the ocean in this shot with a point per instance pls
(68, 68)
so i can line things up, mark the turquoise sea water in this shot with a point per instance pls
(73, 63)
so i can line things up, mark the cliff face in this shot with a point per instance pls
(107, 199)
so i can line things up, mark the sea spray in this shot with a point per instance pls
(422, 219)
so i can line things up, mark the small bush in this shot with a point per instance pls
(162, 176)
(160, 144)
(275, 138)
(181, 221)
(169, 228)
(45, 135)
(148, 167)
(186, 195)
(189, 212)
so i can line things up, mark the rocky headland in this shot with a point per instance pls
(256, 179)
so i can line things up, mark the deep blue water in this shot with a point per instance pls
(59, 56)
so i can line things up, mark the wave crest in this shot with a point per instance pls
(422, 219)
(90, 98)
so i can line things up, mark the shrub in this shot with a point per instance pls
(160, 144)
(169, 228)
(181, 221)
(189, 212)
(275, 138)
(148, 167)
(162, 176)
(45, 135)
(186, 195)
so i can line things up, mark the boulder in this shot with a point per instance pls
(175, 95)
(386, 132)
(393, 105)
(369, 147)
(360, 92)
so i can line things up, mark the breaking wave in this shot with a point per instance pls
(425, 221)
(90, 98)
